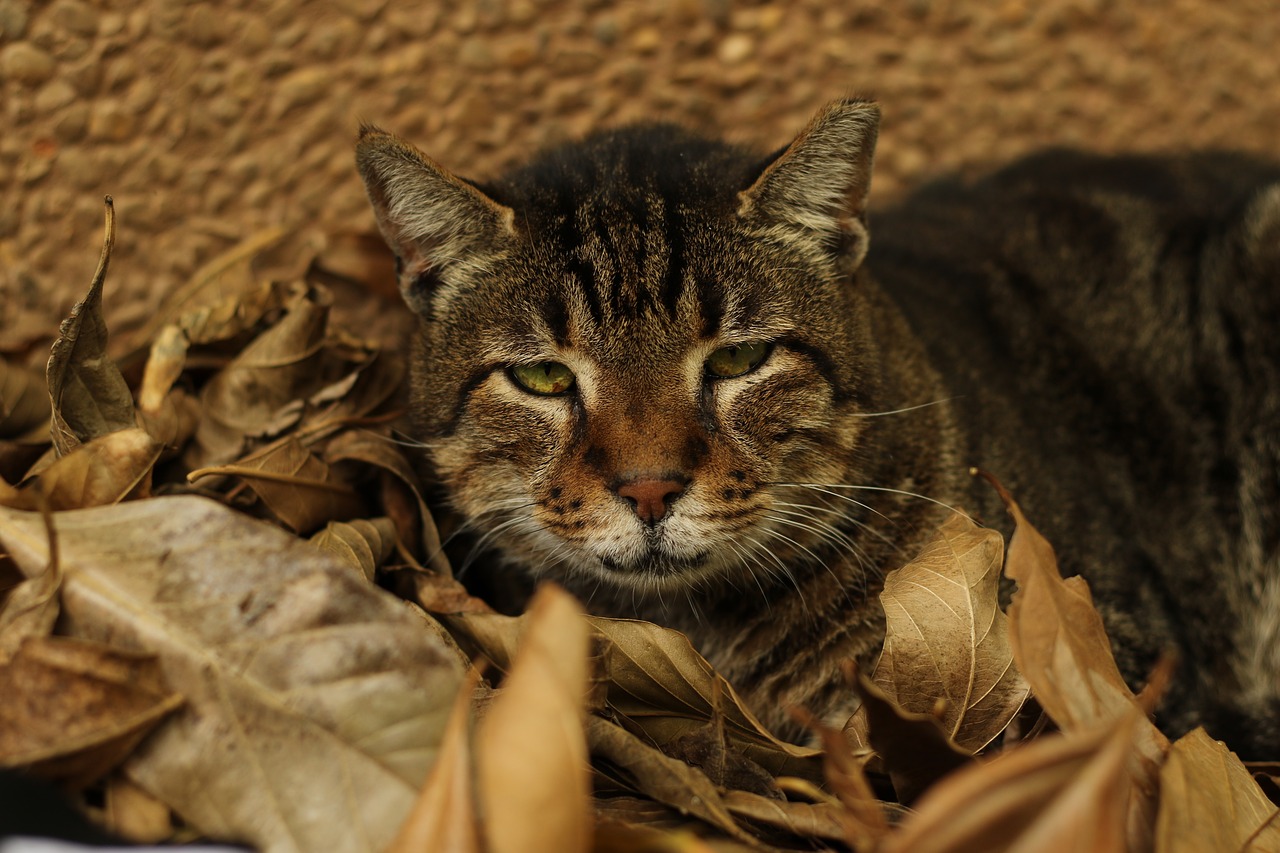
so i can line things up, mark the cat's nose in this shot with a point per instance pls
(650, 497)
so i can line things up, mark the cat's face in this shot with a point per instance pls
(632, 351)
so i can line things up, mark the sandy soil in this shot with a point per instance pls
(210, 122)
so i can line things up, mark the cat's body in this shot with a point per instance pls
(657, 369)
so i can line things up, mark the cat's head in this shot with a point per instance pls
(632, 348)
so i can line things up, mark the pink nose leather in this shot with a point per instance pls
(650, 497)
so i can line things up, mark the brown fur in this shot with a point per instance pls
(630, 258)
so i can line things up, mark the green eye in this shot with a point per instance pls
(728, 362)
(546, 378)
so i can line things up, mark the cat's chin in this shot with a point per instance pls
(653, 574)
(656, 566)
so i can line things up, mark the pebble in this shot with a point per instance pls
(251, 107)
(76, 17)
(475, 55)
(735, 48)
(25, 63)
(111, 121)
(54, 95)
(72, 122)
(14, 15)
(301, 88)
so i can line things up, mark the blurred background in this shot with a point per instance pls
(209, 122)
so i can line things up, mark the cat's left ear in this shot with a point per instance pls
(818, 185)
(434, 221)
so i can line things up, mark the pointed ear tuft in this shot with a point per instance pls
(818, 185)
(431, 219)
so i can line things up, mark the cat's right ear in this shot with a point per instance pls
(431, 219)
(817, 187)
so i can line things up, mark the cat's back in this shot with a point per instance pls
(1108, 327)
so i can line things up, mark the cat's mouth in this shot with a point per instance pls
(656, 563)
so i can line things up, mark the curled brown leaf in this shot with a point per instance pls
(531, 748)
(89, 395)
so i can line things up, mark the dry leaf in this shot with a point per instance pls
(363, 544)
(89, 396)
(165, 363)
(861, 816)
(362, 258)
(235, 315)
(104, 470)
(1061, 646)
(173, 422)
(1209, 801)
(30, 610)
(316, 701)
(669, 781)
(378, 377)
(531, 750)
(372, 449)
(75, 709)
(24, 402)
(132, 813)
(1056, 794)
(658, 680)
(16, 459)
(298, 487)
(916, 749)
(946, 638)
(262, 391)
(436, 593)
(443, 819)
(803, 820)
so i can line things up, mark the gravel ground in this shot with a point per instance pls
(209, 122)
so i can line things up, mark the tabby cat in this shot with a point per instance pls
(679, 378)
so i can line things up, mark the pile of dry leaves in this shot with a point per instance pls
(196, 537)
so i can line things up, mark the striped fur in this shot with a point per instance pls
(634, 255)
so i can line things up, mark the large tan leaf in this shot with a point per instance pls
(74, 709)
(444, 818)
(1061, 646)
(1058, 794)
(89, 396)
(1209, 801)
(234, 315)
(531, 748)
(946, 638)
(316, 702)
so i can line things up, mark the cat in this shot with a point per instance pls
(680, 378)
